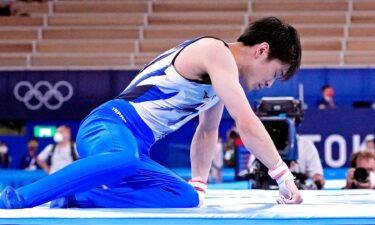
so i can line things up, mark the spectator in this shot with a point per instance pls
(370, 144)
(327, 101)
(217, 163)
(362, 173)
(308, 161)
(56, 156)
(4, 157)
(29, 160)
(230, 146)
(7, 7)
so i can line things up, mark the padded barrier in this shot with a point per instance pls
(222, 206)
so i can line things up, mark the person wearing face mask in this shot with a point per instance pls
(29, 160)
(56, 156)
(4, 157)
(327, 101)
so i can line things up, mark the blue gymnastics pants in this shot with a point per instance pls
(112, 153)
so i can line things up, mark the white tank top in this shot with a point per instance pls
(163, 98)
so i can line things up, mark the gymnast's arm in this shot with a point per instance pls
(204, 142)
(225, 80)
(223, 71)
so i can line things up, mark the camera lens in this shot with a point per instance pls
(361, 175)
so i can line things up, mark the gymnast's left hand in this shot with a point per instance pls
(289, 193)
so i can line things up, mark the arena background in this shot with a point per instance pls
(61, 58)
(94, 48)
(337, 132)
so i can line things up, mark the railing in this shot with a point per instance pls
(152, 9)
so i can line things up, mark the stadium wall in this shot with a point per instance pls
(336, 132)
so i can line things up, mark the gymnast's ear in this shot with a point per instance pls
(262, 50)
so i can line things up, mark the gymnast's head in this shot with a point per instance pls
(271, 50)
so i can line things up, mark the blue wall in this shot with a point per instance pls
(336, 134)
(349, 85)
(91, 88)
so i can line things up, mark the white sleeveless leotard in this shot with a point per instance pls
(163, 98)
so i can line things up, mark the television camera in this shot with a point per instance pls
(280, 116)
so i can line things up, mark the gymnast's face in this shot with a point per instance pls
(259, 72)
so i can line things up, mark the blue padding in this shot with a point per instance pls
(18, 178)
(222, 207)
(337, 173)
(228, 173)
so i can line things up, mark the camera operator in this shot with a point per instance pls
(307, 166)
(362, 173)
(309, 162)
(281, 116)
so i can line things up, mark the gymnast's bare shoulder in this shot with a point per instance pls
(197, 59)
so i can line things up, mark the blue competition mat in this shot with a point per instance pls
(222, 207)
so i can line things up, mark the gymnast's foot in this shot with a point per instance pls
(10, 199)
(63, 203)
(59, 203)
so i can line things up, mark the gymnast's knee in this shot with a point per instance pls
(188, 198)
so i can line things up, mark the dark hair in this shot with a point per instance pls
(282, 38)
(324, 87)
(361, 155)
(32, 139)
(233, 134)
(66, 127)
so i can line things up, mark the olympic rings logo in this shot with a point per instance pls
(43, 93)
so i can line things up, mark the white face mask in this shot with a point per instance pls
(58, 137)
(3, 149)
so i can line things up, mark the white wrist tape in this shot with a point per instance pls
(281, 173)
(198, 184)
